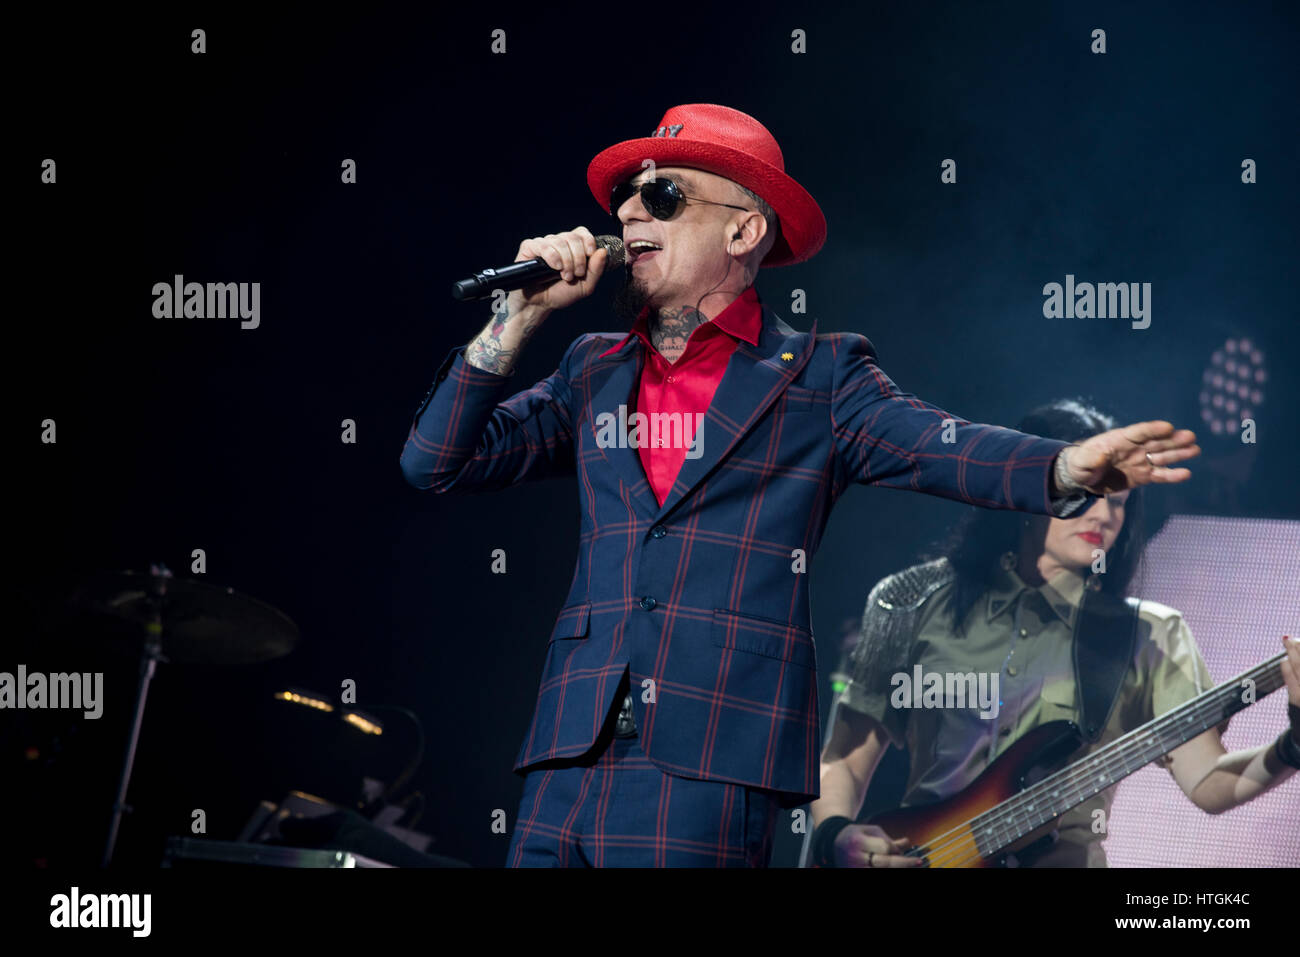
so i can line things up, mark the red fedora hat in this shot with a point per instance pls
(730, 143)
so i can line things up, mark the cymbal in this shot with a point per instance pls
(202, 623)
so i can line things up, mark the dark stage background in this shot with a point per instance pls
(180, 434)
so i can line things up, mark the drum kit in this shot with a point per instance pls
(160, 619)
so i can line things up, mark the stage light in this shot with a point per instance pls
(310, 699)
(1233, 387)
(363, 722)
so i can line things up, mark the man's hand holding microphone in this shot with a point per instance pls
(580, 262)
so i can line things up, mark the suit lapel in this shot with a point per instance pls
(619, 389)
(754, 378)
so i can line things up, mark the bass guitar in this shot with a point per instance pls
(1011, 803)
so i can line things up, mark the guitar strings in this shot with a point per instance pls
(944, 849)
(1137, 742)
(1012, 830)
(962, 847)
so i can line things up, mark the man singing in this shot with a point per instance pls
(677, 711)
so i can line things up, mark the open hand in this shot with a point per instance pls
(1134, 455)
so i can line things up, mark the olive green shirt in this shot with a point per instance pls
(1023, 635)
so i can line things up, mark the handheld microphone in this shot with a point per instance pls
(526, 273)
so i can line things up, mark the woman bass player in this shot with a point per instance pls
(1007, 604)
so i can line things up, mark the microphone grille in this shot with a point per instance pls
(614, 246)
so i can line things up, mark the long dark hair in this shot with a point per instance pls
(982, 536)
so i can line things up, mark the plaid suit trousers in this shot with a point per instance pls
(617, 809)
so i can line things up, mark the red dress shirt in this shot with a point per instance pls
(687, 385)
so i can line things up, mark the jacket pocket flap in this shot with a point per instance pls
(764, 636)
(572, 621)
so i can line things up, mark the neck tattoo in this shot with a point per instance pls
(670, 329)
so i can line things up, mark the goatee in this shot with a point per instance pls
(630, 297)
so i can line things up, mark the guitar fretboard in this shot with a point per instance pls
(1001, 826)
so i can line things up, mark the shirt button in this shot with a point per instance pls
(1024, 633)
(658, 532)
(672, 378)
(1012, 671)
(647, 603)
(1005, 732)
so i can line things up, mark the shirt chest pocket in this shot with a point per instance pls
(1058, 698)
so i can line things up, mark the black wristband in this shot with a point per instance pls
(823, 842)
(1287, 751)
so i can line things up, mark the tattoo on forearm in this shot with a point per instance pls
(486, 351)
(672, 327)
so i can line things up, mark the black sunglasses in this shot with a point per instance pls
(662, 198)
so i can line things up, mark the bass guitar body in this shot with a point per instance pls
(945, 832)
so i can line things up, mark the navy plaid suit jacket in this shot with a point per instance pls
(701, 595)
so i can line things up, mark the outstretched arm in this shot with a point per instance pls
(884, 436)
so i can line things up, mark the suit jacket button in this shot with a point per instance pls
(647, 603)
(658, 532)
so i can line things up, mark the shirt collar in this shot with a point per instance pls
(742, 319)
(1063, 592)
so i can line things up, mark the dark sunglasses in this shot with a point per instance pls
(662, 198)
